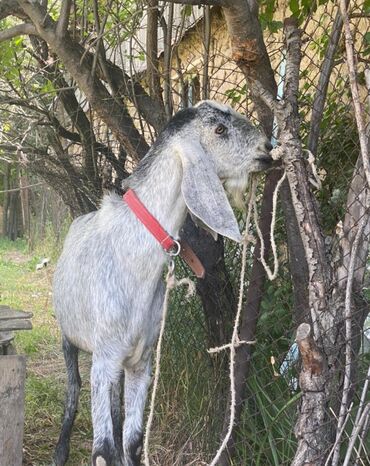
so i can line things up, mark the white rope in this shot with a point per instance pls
(232, 346)
(235, 342)
(271, 275)
(172, 283)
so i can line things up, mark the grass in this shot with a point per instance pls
(22, 287)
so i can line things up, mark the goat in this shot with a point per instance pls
(108, 291)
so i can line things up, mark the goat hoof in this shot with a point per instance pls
(134, 450)
(61, 455)
(104, 455)
(100, 461)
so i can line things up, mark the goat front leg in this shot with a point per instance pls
(117, 413)
(137, 381)
(104, 375)
(70, 353)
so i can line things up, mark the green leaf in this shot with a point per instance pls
(367, 6)
(294, 7)
(274, 26)
(187, 10)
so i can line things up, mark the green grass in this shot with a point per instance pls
(22, 287)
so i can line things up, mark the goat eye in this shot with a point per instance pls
(220, 129)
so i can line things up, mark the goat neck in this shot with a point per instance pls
(157, 183)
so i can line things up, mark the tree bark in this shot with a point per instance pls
(215, 289)
(311, 430)
(152, 60)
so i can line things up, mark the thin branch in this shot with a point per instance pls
(200, 2)
(356, 433)
(18, 30)
(167, 60)
(30, 150)
(348, 329)
(63, 20)
(359, 112)
(22, 187)
(21, 103)
(323, 83)
(363, 397)
(206, 51)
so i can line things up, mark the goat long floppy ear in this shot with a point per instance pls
(203, 191)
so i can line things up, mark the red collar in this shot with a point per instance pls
(169, 244)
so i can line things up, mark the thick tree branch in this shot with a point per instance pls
(150, 109)
(304, 204)
(250, 54)
(18, 30)
(152, 61)
(310, 427)
(63, 20)
(10, 7)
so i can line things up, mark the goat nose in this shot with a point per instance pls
(268, 146)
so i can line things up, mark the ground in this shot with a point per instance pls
(22, 287)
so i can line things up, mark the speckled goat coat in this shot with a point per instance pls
(108, 291)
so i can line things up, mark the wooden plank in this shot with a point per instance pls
(15, 324)
(12, 377)
(6, 337)
(7, 313)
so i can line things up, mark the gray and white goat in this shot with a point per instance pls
(108, 291)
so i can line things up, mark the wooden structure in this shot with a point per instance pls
(12, 377)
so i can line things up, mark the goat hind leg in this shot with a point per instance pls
(137, 380)
(73, 390)
(104, 375)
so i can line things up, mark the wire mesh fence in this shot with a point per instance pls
(194, 62)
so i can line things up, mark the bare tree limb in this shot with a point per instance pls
(152, 61)
(206, 46)
(62, 24)
(348, 314)
(356, 432)
(200, 2)
(18, 30)
(22, 103)
(359, 111)
(167, 27)
(323, 83)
